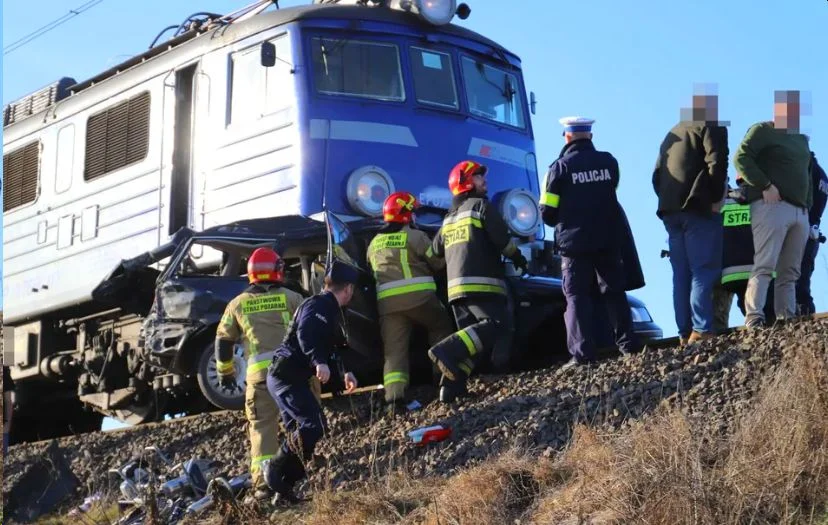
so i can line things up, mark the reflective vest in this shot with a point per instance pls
(260, 317)
(473, 238)
(737, 247)
(403, 263)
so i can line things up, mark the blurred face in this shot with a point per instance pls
(480, 184)
(705, 108)
(786, 115)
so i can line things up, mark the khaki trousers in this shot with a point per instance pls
(395, 329)
(264, 421)
(780, 231)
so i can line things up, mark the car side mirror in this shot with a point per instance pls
(268, 54)
(532, 102)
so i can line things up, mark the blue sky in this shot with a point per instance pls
(629, 65)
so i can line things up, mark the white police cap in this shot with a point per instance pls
(577, 124)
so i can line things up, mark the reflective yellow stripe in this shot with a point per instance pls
(395, 377)
(286, 318)
(466, 221)
(429, 252)
(479, 288)
(739, 276)
(404, 263)
(223, 367)
(258, 366)
(410, 288)
(465, 368)
(550, 199)
(467, 341)
(256, 461)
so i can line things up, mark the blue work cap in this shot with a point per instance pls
(576, 124)
(343, 273)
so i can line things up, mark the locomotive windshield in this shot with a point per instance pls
(493, 93)
(366, 69)
(357, 68)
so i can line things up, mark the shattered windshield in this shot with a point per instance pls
(493, 93)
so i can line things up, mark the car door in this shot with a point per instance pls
(361, 319)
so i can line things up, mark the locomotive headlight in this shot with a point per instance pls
(437, 12)
(520, 211)
(367, 190)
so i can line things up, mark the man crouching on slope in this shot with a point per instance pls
(309, 348)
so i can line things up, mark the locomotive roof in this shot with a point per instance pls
(280, 17)
(195, 42)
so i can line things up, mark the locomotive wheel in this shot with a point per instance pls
(211, 387)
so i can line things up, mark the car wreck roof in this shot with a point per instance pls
(288, 226)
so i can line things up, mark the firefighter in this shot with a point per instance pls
(259, 316)
(309, 349)
(579, 201)
(819, 189)
(404, 265)
(737, 260)
(472, 238)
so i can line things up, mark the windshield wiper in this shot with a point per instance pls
(481, 68)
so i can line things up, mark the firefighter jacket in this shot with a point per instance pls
(404, 265)
(260, 317)
(737, 249)
(579, 200)
(314, 338)
(472, 239)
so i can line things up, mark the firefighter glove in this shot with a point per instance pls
(520, 261)
(814, 233)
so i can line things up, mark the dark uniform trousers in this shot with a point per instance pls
(397, 327)
(804, 300)
(579, 274)
(484, 330)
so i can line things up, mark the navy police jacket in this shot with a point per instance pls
(314, 336)
(579, 200)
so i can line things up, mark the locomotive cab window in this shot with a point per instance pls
(357, 68)
(433, 78)
(117, 136)
(21, 170)
(493, 94)
(257, 91)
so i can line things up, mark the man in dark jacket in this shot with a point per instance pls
(8, 406)
(690, 180)
(309, 348)
(774, 159)
(589, 245)
(819, 188)
(472, 239)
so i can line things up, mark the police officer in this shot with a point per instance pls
(309, 349)
(472, 238)
(579, 201)
(819, 184)
(259, 316)
(404, 265)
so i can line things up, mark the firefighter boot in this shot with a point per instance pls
(452, 390)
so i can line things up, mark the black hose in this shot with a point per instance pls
(161, 33)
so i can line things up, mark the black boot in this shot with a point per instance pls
(452, 390)
(278, 471)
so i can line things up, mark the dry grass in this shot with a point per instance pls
(771, 470)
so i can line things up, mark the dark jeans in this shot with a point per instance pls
(579, 275)
(804, 300)
(696, 257)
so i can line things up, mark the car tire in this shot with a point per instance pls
(209, 384)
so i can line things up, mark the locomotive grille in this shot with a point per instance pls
(21, 168)
(117, 136)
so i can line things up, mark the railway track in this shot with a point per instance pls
(658, 343)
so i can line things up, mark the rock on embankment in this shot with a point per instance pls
(711, 382)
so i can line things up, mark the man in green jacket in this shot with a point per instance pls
(773, 159)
